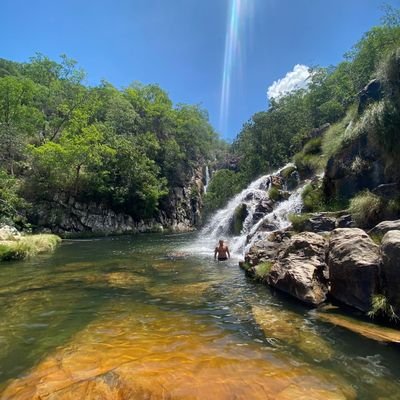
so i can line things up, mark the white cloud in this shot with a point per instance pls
(293, 80)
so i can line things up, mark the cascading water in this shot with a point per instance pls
(263, 216)
(207, 179)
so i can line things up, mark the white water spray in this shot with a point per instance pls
(263, 216)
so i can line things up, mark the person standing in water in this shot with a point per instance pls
(222, 252)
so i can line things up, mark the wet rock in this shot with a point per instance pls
(345, 221)
(353, 267)
(257, 216)
(265, 206)
(320, 223)
(391, 267)
(300, 269)
(384, 227)
(237, 221)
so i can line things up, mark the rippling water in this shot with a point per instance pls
(123, 318)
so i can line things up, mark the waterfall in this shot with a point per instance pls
(263, 216)
(207, 179)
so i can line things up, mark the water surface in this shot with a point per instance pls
(123, 318)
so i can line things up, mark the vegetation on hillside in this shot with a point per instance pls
(122, 148)
(311, 126)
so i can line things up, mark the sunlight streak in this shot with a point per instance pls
(239, 15)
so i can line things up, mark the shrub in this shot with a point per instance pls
(366, 209)
(313, 198)
(298, 221)
(274, 194)
(313, 146)
(380, 307)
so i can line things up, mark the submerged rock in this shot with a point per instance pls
(289, 327)
(391, 267)
(300, 269)
(156, 354)
(353, 267)
(367, 329)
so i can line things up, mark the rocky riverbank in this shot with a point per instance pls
(344, 265)
(65, 215)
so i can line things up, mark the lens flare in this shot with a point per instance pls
(240, 12)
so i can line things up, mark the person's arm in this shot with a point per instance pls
(227, 250)
(215, 253)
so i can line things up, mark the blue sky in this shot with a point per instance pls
(180, 44)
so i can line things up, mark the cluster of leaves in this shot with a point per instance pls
(124, 148)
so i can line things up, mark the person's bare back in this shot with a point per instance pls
(222, 252)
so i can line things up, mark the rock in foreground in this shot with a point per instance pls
(301, 270)
(391, 267)
(353, 267)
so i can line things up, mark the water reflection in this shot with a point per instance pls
(117, 319)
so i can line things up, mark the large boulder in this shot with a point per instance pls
(8, 232)
(370, 93)
(300, 269)
(391, 267)
(385, 226)
(354, 263)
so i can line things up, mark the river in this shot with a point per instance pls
(126, 318)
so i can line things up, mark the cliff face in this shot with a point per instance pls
(179, 211)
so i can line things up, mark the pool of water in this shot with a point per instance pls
(127, 318)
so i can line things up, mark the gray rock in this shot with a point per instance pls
(320, 223)
(384, 227)
(8, 232)
(354, 263)
(300, 269)
(345, 221)
(391, 267)
(371, 92)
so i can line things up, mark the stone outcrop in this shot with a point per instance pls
(391, 267)
(8, 232)
(384, 227)
(370, 93)
(353, 267)
(300, 269)
(180, 211)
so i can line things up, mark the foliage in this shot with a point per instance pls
(274, 194)
(273, 137)
(223, 185)
(366, 209)
(313, 197)
(380, 307)
(298, 221)
(125, 148)
(28, 246)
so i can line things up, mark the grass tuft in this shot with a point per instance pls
(28, 246)
(366, 209)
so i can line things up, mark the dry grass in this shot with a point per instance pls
(28, 246)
